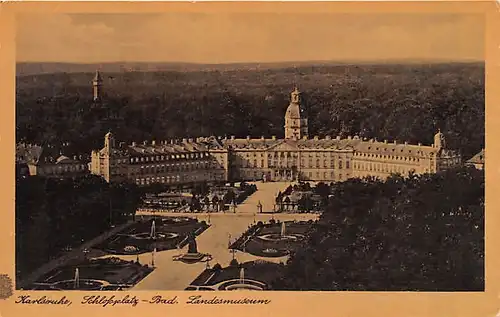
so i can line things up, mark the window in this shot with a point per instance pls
(346, 164)
(340, 164)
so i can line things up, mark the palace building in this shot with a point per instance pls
(50, 161)
(296, 157)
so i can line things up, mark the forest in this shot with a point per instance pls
(416, 233)
(54, 215)
(394, 102)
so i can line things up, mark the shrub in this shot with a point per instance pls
(233, 263)
(217, 267)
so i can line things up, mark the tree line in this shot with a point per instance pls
(420, 233)
(394, 102)
(54, 215)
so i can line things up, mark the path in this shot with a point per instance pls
(171, 275)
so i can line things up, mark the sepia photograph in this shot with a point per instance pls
(221, 151)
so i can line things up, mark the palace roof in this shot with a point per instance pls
(36, 154)
(396, 149)
(175, 146)
(351, 143)
(249, 143)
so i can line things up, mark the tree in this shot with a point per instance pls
(416, 233)
(229, 196)
(68, 212)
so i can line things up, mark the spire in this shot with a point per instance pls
(97, 86)
(97, 77)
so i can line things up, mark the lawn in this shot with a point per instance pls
(171, 232)
(255, 272)
(272, 240)
(111, 274)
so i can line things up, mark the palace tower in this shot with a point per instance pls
(295, 118)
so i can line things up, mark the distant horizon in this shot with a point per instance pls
(38, 68)
(360, 61)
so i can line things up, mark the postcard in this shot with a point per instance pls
(217, 158)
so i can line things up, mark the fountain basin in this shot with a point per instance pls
(159, 235)
(239, 285)
(190, 258)
(276, 237)
(84, 285)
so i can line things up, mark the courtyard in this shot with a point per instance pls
(145, 255)
(224, 229)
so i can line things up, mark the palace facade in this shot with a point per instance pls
(296, 157)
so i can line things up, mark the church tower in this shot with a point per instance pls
(109, 142)
(295, 118)
(439, 140)
(97, 86)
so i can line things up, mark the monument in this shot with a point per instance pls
(192, 256)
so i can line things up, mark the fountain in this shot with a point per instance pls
(77, 279)
(78, 283)
(153, 231)
(281, 236)
(242, 284)
(242, 275)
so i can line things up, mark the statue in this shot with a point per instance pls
(192, 248)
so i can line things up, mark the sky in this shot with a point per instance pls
(247, 37)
